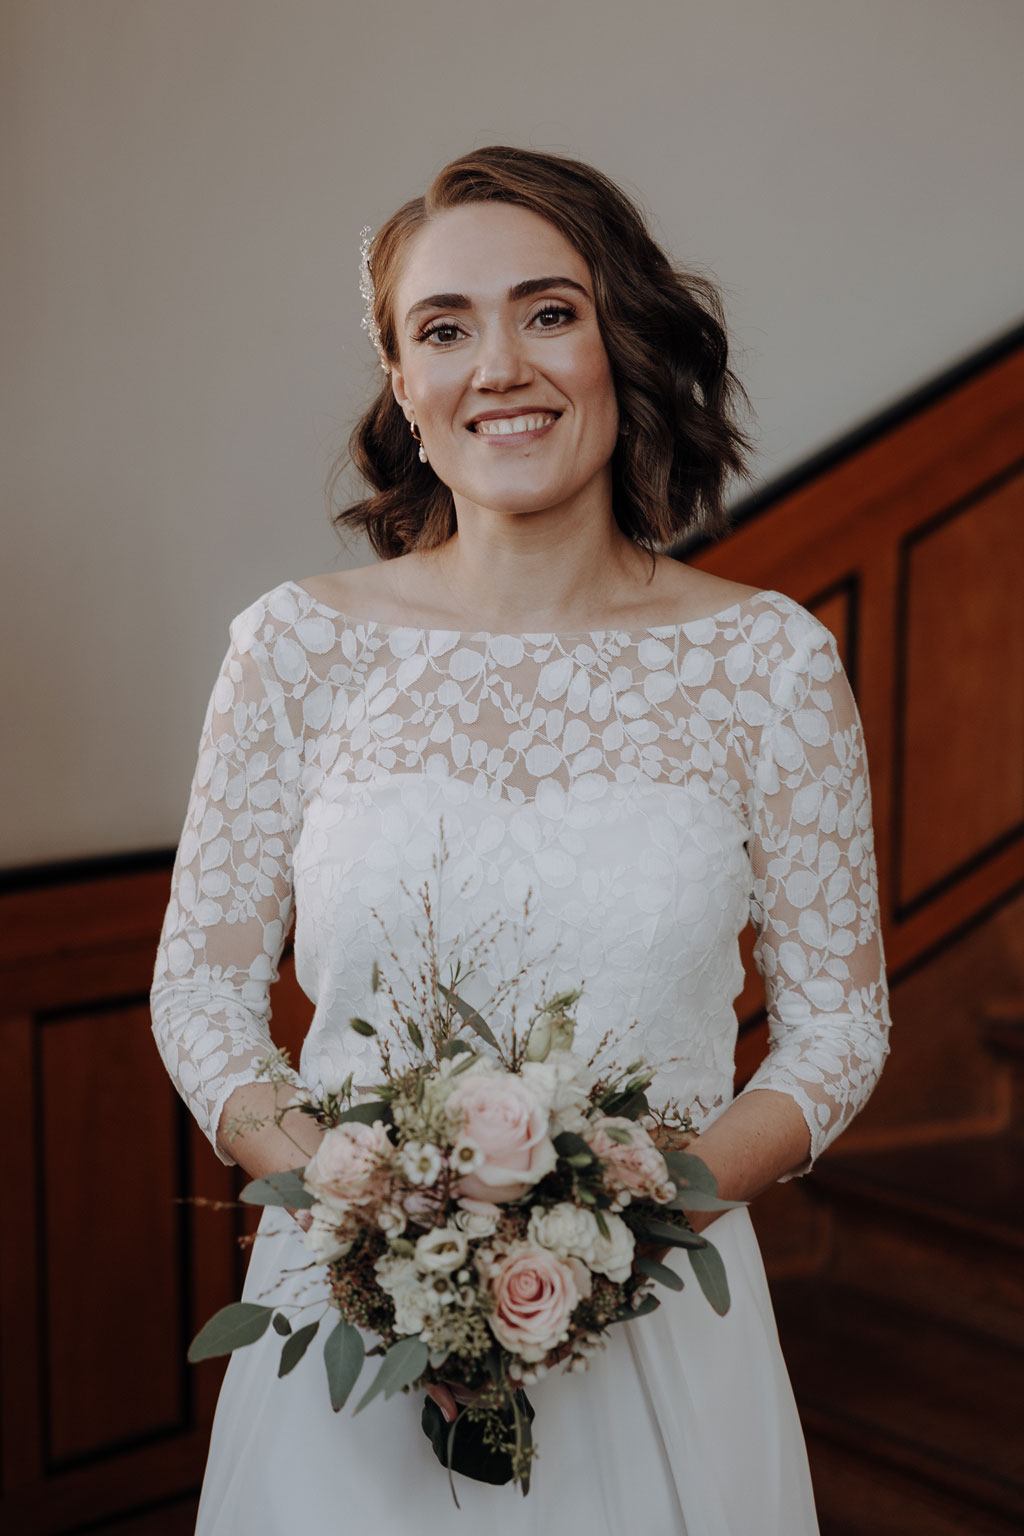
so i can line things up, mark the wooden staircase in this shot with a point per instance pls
(906, 1348)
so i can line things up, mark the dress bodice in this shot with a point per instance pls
(615, 806)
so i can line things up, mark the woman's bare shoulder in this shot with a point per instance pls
(701, 592)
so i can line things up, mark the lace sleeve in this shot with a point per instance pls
(814, 902)
(231, 890)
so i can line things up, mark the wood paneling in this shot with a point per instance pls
(960, 736)
(112, 1234)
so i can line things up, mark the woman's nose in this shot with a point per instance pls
(501, 361)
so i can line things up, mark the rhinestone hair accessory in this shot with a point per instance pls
(369, 322)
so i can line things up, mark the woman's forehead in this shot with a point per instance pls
(483, 249)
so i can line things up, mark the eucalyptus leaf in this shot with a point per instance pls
(343, 1357)
(649, 1304)
(403, 1364)
(281, 1324)
(367, 1113)
(710, 1272)
(675, 1237)
(295, 1347)
(470, 1016)
(700, 1200)
(284, 1188)
(454, 1047)
(361, 1027)
(569, 1144)
(243, 1322)
(659, 1272)
(690, 1170)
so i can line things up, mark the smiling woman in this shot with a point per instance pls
(647, 765)
(622, 318)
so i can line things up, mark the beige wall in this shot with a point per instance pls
(183, 187)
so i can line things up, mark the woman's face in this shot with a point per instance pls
(501, 362)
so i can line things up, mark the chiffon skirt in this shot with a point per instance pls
(685, 1425)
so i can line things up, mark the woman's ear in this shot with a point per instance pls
(398, 389)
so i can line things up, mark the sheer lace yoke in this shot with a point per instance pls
(653, 789)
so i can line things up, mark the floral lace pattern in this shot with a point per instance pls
(649, 791)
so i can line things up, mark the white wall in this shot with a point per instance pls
(183, 186)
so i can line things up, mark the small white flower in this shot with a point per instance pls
(565, 1228)
(442, 1250)
(466, 1156)
(322, 1237)
(421, 1162)
(391, 1220)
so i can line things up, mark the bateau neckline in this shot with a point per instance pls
(531, 634)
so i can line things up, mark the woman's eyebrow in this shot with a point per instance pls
(524, 290)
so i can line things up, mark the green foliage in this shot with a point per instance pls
(367, 1113)
(471, 1017)
(243, 1322)
(343, 1357)
(403, 1364)
(281, 1324)
(295, 1347)
(279, 1189)
(361, 1027)
(710, 1272)
(672, 1236)
(659, 1272)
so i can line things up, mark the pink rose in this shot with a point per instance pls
(351, 1166)
(635, 1168)
(534, 1295)
(499, 1114)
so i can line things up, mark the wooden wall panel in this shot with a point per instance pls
(960, 733)
(112, 1235)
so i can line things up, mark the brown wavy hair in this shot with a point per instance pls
(664, 333)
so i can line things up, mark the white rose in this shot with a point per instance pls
(442, 1249)
(565, 1229)
(324, 1238)
(477, 1218)
(613, 1255)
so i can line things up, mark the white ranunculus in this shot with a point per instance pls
(322, 1237)
(415, 1301)
(613, 1255)
(565, 1229)
(477, 1218)
(442, 1249)
(562, 1083)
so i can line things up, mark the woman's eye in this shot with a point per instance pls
(554, 312)
(437, 330)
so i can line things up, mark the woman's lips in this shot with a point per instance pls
(510, 431)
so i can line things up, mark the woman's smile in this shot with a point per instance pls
(508, 430)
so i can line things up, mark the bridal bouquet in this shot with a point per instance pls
(487, 1210)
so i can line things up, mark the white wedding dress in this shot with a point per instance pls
(652, 790)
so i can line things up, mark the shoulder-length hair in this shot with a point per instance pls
(663, 330)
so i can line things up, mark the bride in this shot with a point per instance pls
(657, 754)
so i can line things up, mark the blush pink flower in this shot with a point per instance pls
(635, 1168)
(497, 1112)
(351, 1166)
(534, 1294)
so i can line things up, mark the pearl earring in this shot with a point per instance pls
(423, 451)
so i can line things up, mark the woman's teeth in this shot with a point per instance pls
(503, 426)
